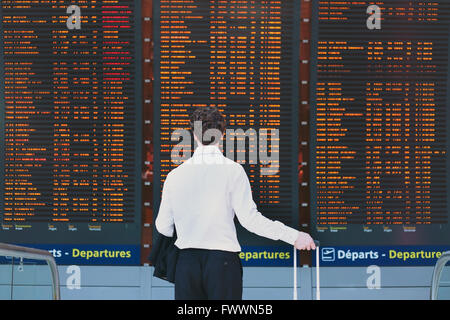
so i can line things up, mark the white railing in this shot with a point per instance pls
(440, 264)
(9, 250)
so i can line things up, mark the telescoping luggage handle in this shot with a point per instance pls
(317, 243)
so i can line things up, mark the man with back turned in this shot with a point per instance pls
(200, 199)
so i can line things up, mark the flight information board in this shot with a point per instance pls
(69, 124)
(379, 86)
(241, 57)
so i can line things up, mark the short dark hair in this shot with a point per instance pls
(211, 118)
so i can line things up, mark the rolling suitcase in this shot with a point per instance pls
(317, 243)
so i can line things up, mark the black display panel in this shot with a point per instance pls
(70, 119)
(242, 57)
(379, 123)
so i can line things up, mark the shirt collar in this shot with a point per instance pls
(209, 149)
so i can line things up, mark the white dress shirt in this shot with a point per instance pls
(201, 197)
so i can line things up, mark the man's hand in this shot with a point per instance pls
(304, 242)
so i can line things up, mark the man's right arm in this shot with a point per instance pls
(249, 217)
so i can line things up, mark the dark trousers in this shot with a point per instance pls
(208, 275)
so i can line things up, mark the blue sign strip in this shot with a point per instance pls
(380, 255)
(346, 256)
(71, 254)
(254, 256)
